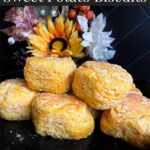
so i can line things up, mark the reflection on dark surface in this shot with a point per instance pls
(21, 136)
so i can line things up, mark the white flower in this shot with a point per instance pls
(97, 41)
(83, 23)
(87, 36)
(88, 39)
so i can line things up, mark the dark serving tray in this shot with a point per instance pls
(21, 136)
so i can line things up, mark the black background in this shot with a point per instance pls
(131, 29)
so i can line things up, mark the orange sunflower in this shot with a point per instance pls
(59, 39)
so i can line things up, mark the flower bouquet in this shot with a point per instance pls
(60, 31)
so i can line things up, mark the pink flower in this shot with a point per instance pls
(24, 21)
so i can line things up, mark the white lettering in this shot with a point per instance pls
(98, 0)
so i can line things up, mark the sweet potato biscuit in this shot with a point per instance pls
(101, 85)
(129, 121)
(49, 74)
(61, 116)
(15, 100)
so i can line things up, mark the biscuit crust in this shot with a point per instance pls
(15, 100)
(129, 121)
(49, 74)
(101, 85)
(61, 116)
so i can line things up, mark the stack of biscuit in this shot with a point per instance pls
(45, 97)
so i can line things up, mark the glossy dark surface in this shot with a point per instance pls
(28, 140)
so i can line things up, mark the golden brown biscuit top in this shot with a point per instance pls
(107, 70)
(111, 80)
(14, 91)
(49, 102)
(42, 65)
(134, 107)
